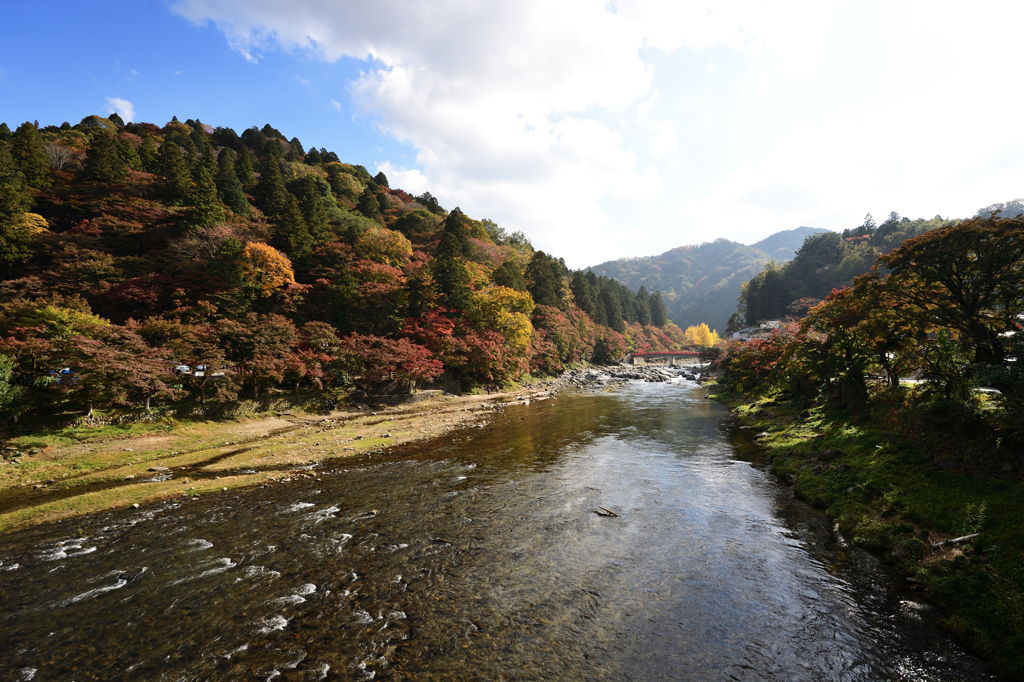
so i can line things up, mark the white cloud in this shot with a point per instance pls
(301, 80)
(552, 118)
(124, 108)
(508, 104)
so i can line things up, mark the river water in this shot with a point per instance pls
(480, 557)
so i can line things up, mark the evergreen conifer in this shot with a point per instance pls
(643, 307)
(311, 201)
(148, 155)
(243, 169)
(659, 313)
(175, 171)
(14, 201)
(451, 275)
(292, 236)
(368, 205)
(103, 162)
(29, 152)
(206, 209)
(613, 310)
(229, 189)
(271, 194)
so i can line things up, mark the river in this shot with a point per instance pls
(480, 557)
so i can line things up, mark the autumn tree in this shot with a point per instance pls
(967, 278)
(701, 335)
(263, 269)
(377, 359)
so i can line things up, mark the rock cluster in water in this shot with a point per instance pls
(599, 377)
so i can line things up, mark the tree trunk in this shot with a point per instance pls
(147, 402)
(88, 410)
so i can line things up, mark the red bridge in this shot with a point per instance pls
(669, 355)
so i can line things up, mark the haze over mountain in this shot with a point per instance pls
(701, 283)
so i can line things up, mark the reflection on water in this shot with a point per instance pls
(479, 557)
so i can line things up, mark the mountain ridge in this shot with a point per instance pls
(701, 282)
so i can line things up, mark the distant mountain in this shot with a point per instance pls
(782, 246)
(701, 283)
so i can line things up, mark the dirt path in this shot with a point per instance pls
(65, 479)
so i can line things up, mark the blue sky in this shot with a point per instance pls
(601, 130)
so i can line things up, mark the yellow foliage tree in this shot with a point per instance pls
(507, 312)
(700, 335)
(264, 269)
(385, 246)
(36, 223)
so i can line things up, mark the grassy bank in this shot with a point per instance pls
(892, 498)
(79, 470)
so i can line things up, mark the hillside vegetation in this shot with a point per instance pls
(255, 265)
(701, 283)
(904, 466)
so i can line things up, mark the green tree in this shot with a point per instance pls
(659, 313)
(29, 152)
(765, 296)
(172, 165)
(104, 162)
(206, 210)
(272, 197)
(128, 154)
(368, 204)
(510, 275)
(10, 393)
(583, 293)
(244, 168)
(612, 310)
(455, 224)
(295, 150)
(14, 201)
(450, 275)
(229, 188)
(312, 201)
(643, 307)
(545, 282)
(292, 235)
(148, 155)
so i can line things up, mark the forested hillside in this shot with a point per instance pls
(824, 262)
(701, 283)
(255, 264)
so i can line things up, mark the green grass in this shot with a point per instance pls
(888, 494)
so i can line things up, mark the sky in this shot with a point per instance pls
(601, 129)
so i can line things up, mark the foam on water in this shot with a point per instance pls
(273, 624)
(96, 592)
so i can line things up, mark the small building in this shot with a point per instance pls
(758, 332)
